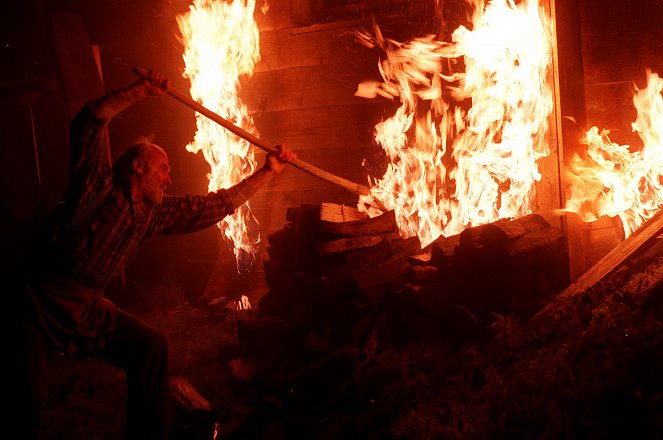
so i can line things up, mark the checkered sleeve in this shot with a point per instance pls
(188, 213)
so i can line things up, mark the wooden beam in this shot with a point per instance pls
(608, 264)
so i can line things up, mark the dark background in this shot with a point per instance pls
(48, 73)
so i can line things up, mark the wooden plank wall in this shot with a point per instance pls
(620, 40)
(302, 95)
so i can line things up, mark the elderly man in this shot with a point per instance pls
(106, 215)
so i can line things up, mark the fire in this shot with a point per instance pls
(464, 144)
(613, 179)
(221, 43)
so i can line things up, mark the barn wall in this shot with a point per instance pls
(302, 95)
(619, 41)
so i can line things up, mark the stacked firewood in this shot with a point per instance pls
(347, 293)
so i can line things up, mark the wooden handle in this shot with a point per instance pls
(304, 166)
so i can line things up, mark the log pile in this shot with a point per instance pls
(347, 292)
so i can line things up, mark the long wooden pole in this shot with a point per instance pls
(304, 166)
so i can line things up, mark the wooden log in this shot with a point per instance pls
(353, 243)
(420, 275)
(356, 261)
(374, 281)
(497, 233)
(406, 246)
(338, 213)
(501, 231)
(382, 224)
(533, 242)
(422, 259)
(442, 250)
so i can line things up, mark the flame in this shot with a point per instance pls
(613, 180)
(463, 146)
(221, 43)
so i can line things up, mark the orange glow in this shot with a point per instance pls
(464, 144)
(221, 43)
(613, 180)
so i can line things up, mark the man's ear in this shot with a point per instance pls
(139, 165)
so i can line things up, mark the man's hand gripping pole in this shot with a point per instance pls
(310, 169)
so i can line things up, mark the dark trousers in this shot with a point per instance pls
(138, 348)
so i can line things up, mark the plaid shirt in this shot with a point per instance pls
(96, 230)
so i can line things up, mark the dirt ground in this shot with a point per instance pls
(87, 396)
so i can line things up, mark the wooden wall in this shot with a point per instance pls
(620, 40)
(302, 95)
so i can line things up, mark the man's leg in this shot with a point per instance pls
(142, 351)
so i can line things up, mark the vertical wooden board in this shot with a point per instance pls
(548, 189)
(569, 110)
(625, 56)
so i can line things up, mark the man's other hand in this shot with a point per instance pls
(276, 161)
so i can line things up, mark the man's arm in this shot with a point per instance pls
(274, 164)
(91, 121)
(112, 104)
(180, 214)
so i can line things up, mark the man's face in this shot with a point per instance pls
(155, 176)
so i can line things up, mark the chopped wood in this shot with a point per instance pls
(534, 241)
(357, 260)
(375, 280)
(497, 233)
(420, 259)
(406, 246)
(382, 224)
(443, 249)
(335, 213)
(353, 243)
(420, 274)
